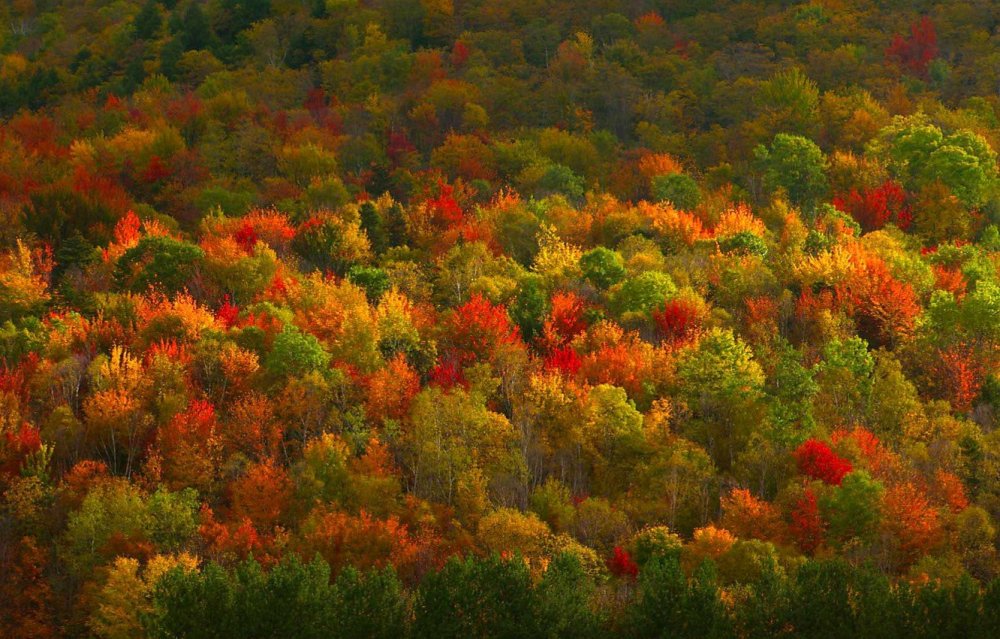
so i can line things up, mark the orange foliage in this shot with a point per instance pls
(948, 489)
(391, 389)
(15, 446)
(169, 349)
(950, 279)
(271, 227)
(883, 307)
(239, 538)
(37, 134)
(959, 374)
(738, 219)
(101, 189)
(749, 517)
(80, 479)
(650, 20)
(127, 230)
(762, 317)
(879, 460)
(25, 596)
(627, 364)
(810, 306)
(679, 321)
(262, 495)
(479, 328)
(189, 447)
(377, 461)
(677, 226)
(358, 540)
(265, 225)
(565, 320)
(708, 543)
(653, 164)
(185, 317)
(253, 428)
(909, 517)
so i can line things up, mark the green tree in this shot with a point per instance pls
(764, 607)
(451, 434)
(295, 353)
(920, 153)
(677, 188)
(368, 605)
(643, 293)
(791, 103)
(196, 32)
(489, 597)
(57, 213)
(845, 378)
(613, 437)
(853, 511)
(117, 510)
(721, 384)
(373, 280)
(796, 165)
(822, 601)
(197, 605)
(563, 601)
(530, 306)
(160, 262)
(558, 178)
(147, 22)
(374, 227)
(668, 605)
(602, 267)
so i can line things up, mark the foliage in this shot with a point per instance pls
(417, 317)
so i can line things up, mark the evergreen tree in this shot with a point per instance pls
(148, 21)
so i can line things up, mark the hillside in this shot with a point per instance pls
(499, 318)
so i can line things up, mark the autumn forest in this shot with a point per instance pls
(499, 318)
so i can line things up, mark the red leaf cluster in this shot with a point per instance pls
(445, 209)
(815, 459)
(807, 525)
(448, 374)
(914, 53)
(228, 313)
(874, 208)
(155, 171)
(565, 360)
(459, 54)
(678, 320)
(478, 328)
(246, 237)
(621, 564)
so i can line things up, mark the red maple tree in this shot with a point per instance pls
(815, 459)
(914, 53)
(807, 525)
